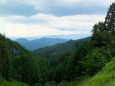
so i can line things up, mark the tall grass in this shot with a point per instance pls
(106, 77)
(11, 83)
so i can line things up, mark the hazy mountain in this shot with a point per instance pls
(70, 36)
(60, 48)
(39, 43)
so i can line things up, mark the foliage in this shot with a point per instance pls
(5, 69)
(63, 64)
(94, 61)
(11, 83)
(106, 77)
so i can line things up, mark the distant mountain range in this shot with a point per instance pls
(39, 43)
(61, 48)
(70, 36)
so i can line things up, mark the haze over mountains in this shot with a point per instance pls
(61, 48)
(57, 43)
(32, 43)
(70, 36)
(39, 43)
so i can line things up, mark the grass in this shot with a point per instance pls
(12, 83)
(106, 77)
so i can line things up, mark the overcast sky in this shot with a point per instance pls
(30, 18)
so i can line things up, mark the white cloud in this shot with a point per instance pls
(48, 24)
(25, 30)
(20, 26)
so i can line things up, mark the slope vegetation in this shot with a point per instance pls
(106, 77)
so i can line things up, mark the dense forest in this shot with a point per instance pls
(86, 62)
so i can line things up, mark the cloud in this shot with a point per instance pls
(25, 30)
(50, 17)
(45, 5)
(48, 24)
(55, 7)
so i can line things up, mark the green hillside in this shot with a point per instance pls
(17, 63)
(60, 48)
(11, 83)
(57, 53)
(106, 77)
(85, 62)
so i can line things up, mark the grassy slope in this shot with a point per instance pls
(106, 77)
(11, 83)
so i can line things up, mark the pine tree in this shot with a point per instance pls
(28, 69)
(5, 67)
(103, 32)
(6, 70)
(110, 19)
(109, 23)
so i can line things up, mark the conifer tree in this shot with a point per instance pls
(6, 70)
(103, 32)
(110, 19)
(28, 69)
(109, 23)
(5, 67)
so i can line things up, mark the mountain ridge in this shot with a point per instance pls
(60, 48)
(39, 43)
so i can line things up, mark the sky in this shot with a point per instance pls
(38, 18)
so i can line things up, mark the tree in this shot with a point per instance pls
(28, 69)
(94, 61)
(110, 19)
(109, 23)
(5, 67)
(103, 31)
(98, 27)
(101, 39)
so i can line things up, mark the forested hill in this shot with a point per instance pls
(12, 58)
(92, 58)
(39, 43)
(62, 48)
(105, 77)
(57, 54)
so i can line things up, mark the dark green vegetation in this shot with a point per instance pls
(57, 53)
(90, 63)
(106, 77)
(38, 43)
(11, 83)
